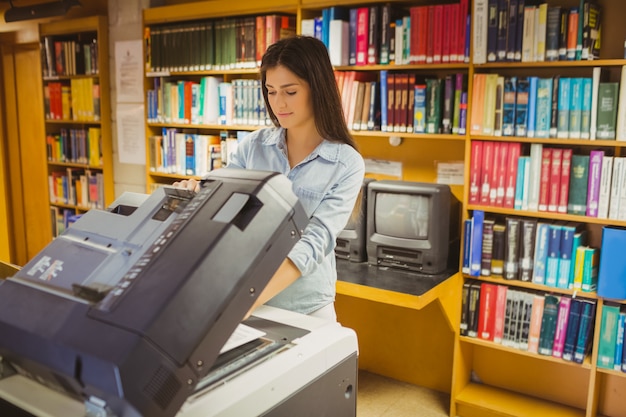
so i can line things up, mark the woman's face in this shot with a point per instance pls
(289, 97)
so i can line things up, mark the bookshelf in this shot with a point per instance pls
(490, 378)
(483, 378)
(74, 57)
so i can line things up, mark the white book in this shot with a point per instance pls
(210, 106)
(479, 28)
(541, 17)
(307, 27)
(621, 208)
(616, 184)
(535, 176)
(525, 193)
(605, 187)
(528, 36)
(399, 43)
(595, 86)
(339, 47)
(621, 108)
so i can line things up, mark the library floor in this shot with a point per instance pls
(379, 396)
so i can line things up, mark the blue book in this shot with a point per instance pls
(563, 104)
(512, 30)
(467, 245)
(519, 36)
(573, 325)
(587, 320)
(190, 156)
(419, 116)
(531, 118)
(508, 106)
(541, 253)
(566, 261)
(383, 99)
(478, 219)
(521, 107)
(463, 113)
(554, 254)
(619, 343)
(611, 283)
(585, 110)
(544, 108)
(519, 182)
(575, 108)
(352, 21)
(492, 30)
(608, 336)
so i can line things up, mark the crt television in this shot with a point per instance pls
(412, 225)
(351, 243)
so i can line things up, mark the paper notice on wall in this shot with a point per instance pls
(131, 137)
(450, 172)
(381, 169)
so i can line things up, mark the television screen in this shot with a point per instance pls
(403, 215)
(351, 240)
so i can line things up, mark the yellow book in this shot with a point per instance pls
(579, 267)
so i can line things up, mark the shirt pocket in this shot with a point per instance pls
(310, 199)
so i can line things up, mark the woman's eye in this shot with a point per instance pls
(291, 93)
(271, 93)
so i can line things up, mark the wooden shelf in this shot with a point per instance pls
(476, 400)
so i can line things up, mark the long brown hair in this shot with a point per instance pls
(307, 58)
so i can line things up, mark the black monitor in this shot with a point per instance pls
(351, 243)
(132, 305)
(412, 225)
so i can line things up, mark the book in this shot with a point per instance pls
(607, 110)
(511, 176)
(531, 119)
(467, 246)
(545, 178)
(578, 183)
(512, 248)
(499, 313)
(575, 107)
(465, 298)
(573, 324)
(534, 330)
(473, 308)
(619, 342)
(608, 336)
(617, 185)
(548, 325)
(591, 260)
(534, 177)
(620, 130)
(497, 256)
(543, 107)
(561, 326)
(486, 310)
(554, 186)
(593, 184)
(521, 106)
(487, 247)
(587, 320)
(566, 164)
(476, 162)
(541, 253)
(564, 101)
(528, 230)
(612, 263)
(568, 230)
(478, 218)
(508, 106)
(555, 231)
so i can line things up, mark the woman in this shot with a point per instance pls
(311, 145)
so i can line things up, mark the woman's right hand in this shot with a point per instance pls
(190, 184)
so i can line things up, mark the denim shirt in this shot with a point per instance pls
(327, 182)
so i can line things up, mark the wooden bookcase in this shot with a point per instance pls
(415, 338)
(75, 67)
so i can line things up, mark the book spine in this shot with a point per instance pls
(512, 248)
(593, 187)
(561, 326)
(477, 242)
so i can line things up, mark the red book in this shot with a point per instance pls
(424, 31)
(415, 33)
(437, 34)
(476, 164)
(260, 38)
(391, 94)
(450, 12)
(555, 179)
(544, 178)
(495, 169)
(410, 104)
(502, 171)
(534, 330)
(188, 86)
(430, 35)
(461, 25)
(486, 172)
(486, 310)
(400, 86)
(500, 310)
(515, 149)
(362, 35)
(566, 163)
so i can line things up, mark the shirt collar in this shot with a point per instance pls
(327, 150)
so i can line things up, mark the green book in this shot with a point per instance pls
(607, 110)
(578, 179)
(591, 261)
(608, 336)
(433, 105)
(548, 325)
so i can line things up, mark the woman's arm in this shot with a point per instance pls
(286, 274)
